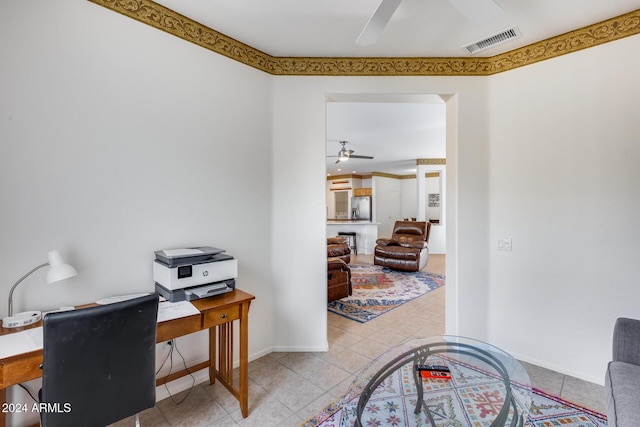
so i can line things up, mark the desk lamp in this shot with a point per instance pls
(59, 271)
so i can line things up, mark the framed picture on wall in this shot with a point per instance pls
(434, 200)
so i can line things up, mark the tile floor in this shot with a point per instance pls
(288, 388)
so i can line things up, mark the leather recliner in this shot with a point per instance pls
(338, 279)
(338, 270)
(338, 247)
(407, 249)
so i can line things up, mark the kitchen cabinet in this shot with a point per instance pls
(362, 192)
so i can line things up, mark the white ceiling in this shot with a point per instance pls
(425, 28)
(395, 132)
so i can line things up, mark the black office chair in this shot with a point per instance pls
(99, 363)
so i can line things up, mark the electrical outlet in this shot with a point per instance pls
(504, 244)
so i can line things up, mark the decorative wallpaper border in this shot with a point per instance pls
(162, 18)
(431, 161)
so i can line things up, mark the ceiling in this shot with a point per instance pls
(395, 131)
(419, 28)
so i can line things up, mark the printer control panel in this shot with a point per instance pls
(185, 271)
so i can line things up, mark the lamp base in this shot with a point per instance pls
(21, 319)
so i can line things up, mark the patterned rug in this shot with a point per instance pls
(377, 290)
(392, 404)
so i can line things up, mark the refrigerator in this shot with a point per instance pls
(361, 208)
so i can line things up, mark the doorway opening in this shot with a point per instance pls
(408, 136)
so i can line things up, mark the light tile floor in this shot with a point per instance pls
(288, 388)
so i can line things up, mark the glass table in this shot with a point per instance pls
(485, 386)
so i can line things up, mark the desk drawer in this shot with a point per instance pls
(221, 315)
(175, 328)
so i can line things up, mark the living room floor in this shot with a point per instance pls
(286, 389)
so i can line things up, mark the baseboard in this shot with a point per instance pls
(301, 349)
(201, 376)
(181, 384)
(560, 369)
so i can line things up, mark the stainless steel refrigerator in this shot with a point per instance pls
(361, 208)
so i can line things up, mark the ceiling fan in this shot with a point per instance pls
(344, 154)
(473, 10)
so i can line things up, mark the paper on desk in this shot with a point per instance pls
(20, 342)
(173, 310)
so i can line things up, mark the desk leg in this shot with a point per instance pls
(212, 355)
(225, 353)
(244, 360)
(3, 400)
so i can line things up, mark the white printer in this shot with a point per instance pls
(194, 273)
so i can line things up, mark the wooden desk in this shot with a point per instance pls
(216, 314)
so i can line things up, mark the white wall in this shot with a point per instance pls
(408, 199)
(437, 235)
(116, 140)
(387, 194)
(564, 172)
(299, 207)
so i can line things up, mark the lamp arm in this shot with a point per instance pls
(18, 282)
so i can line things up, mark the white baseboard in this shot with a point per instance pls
(563, 370)
(299, 349)
(176, 386)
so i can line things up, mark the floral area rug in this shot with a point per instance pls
(377, 290)
(473, 404)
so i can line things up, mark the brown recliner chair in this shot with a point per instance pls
(338, 247)
(338, 279)
(407, 249)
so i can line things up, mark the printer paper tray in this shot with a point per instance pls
(196, 292)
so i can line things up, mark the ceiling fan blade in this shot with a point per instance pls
(355, 156)
(377, 22)
(479, 11)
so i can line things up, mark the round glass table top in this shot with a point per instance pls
(440, 381)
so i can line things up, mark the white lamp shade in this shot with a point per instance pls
(59, 270)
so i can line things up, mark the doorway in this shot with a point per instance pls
(402, 187)
(399, 141)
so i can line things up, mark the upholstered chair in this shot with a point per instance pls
(338, 247)
(407, 249)
(338, 279)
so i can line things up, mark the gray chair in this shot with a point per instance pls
(622, 381)
(99, 363)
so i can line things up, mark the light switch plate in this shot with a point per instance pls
(504, 244)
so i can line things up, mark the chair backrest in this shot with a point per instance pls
(408, 231)
(99, 363)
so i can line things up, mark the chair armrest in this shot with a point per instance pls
(414, 242)
(336, 264)
(336, 240)
(626, 341)
(418, 244)
(386, 242)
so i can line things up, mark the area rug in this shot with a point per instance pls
(546, 411)
(377, 290)
(392, 404)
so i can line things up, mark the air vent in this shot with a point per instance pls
(494, 40)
